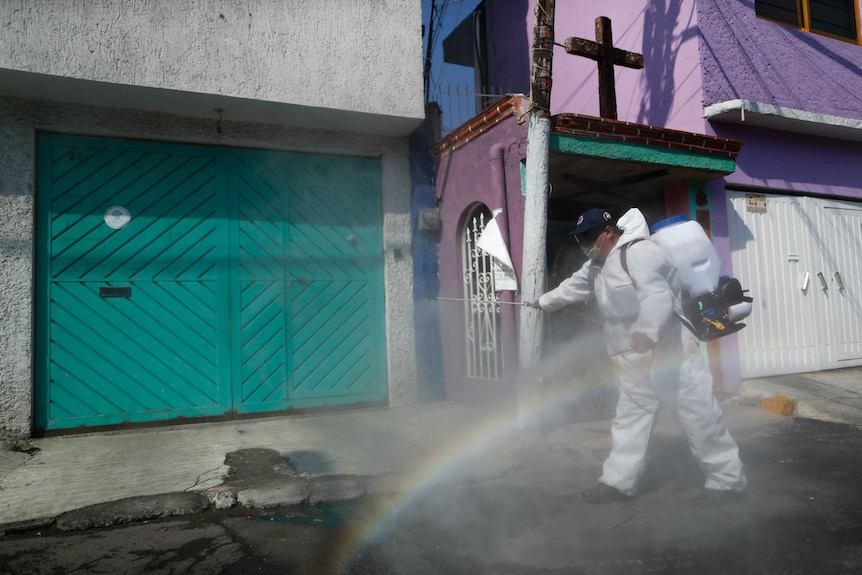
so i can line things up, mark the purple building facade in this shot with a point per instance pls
(784, 209)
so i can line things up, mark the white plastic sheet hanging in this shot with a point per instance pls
(492, 242)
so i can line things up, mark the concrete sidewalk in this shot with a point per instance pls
(74, 471)
(326, 457)
(834, 395)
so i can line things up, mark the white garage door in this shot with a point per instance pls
(801, 258)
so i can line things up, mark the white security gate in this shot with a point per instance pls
(801, 258)
(481, 308)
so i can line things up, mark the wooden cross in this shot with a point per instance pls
(603, 52)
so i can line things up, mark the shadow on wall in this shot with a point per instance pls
(783, 160)
(739, 70)
(510, 46)
(426, 283)
(660, 50)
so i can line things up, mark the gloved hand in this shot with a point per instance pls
(641, 343)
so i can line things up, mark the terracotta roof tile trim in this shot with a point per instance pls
(589, 127)
(628, 132)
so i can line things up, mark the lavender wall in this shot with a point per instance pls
(796, 163)
(465, 178)
(745, 57)
(749, 58)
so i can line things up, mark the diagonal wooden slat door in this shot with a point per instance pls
(310, 257)
(240, 281)
(261, 372)
(336, 298)
(128, 322)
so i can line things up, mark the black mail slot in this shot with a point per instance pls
(115, 291)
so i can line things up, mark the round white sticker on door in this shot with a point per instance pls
(117, 217)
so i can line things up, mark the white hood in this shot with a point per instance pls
(634, 227)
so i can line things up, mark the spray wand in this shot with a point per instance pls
(525, 304)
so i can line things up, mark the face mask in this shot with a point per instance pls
(592, 252)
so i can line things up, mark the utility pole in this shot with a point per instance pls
(536, 207)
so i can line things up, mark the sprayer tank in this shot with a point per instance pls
(691, 251)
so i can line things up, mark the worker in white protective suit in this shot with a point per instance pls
(657, 358)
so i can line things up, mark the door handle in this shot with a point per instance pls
(839, 282)
(823, 281)
(299, 281)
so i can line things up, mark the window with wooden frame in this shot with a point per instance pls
(835, 18)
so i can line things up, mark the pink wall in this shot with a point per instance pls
(666, 93)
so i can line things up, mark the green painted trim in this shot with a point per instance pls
(639, 153)
(523, 166)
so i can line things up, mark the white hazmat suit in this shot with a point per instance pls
(674, 373)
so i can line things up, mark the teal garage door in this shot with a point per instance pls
(179, 281)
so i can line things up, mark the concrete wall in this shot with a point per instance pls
(360, 57)
(19, 121)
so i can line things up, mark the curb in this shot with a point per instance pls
(284, 491)
(131, 510)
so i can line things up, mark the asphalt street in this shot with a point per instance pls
(803, 515)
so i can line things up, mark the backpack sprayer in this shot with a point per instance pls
(712, 304)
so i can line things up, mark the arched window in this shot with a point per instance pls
(482, 308)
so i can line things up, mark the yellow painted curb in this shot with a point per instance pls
(780, 404)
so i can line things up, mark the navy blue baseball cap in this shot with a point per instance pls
(590, 219)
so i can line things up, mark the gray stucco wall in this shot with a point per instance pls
(330, 54)
(21, 119)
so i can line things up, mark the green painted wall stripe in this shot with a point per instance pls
(639, 153)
